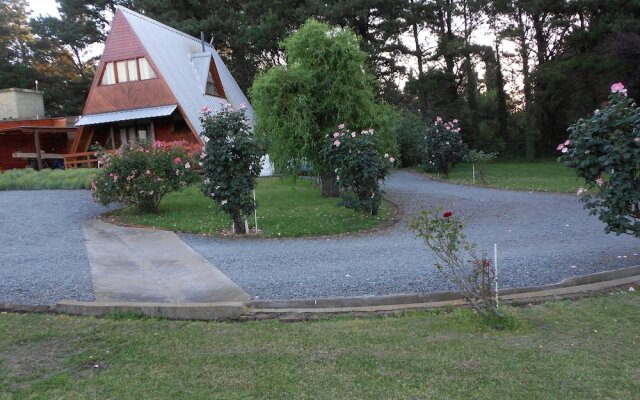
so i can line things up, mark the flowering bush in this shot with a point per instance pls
(443, 233)
(444, 146)
(359, 167)
(230, 163)
(479, 159)
(139, 174)
(604, 149)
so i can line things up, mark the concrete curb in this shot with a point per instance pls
(311, 309)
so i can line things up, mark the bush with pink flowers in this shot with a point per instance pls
(604, 149)
(359, 167)
(444, 146)
(230, 163)
(139, 174)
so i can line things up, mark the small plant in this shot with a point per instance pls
(479, 159)
(139, 174)
(359, 167)
(444, 146)
(604, 149)
(230, 163)
(459, 261)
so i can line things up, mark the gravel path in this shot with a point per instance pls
(43, 257)
(542, 238)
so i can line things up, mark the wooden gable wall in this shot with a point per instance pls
(123, 44)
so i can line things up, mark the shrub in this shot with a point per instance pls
(139, 174)
(230, 163)
(479, 159)
(359, 167)
(409, 131)
(604, 149)
(444, 146)
(443, 233)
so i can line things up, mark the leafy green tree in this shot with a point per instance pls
(323, 84)
(16, 40)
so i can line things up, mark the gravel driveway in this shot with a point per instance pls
(541, 238)
(43, 257)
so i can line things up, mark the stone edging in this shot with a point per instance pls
(311, 309)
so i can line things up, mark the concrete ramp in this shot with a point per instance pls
(148, 265)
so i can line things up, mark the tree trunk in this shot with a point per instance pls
(238, 224)
(329, 183)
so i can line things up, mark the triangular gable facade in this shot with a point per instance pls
(183, 75)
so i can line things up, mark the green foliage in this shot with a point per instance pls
(443, 233)
(230, 163)
(323, 84)
(604, 149)
(28, 179)
(409, 130)
(480, 159)
(359, 167)
(139, 174)
(444, 146)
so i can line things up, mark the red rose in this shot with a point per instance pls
(447, 214)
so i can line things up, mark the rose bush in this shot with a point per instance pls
(444, 146)
(230, 163)
(473, 274)
(604, 149)
(359, 167)
(139, 174)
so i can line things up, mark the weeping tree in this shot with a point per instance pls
(325, 83)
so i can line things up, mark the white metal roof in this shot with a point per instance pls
(182, 63)
(126, 115)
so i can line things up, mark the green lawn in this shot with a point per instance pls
(587, 349)
(545, 176)
(285, 209)
(28, 179)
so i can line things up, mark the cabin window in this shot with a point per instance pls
(109, 76)
(211, 86)
(146, 72)
(127, 71)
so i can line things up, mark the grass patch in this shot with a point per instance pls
(29, 179)
(543, 176)
(585, 349)
(285, 209)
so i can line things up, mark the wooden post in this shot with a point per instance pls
(152, 131)
(36, 136)
(112, 137)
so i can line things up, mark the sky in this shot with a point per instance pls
(44, 7)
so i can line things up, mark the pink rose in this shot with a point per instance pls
(581, 191)
(564, 150)
(618, 87)
(177, 161)
(341, 126)
(336, 143)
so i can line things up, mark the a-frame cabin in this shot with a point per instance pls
(152, 83)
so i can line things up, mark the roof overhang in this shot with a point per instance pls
(126, 115)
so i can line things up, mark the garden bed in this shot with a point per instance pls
(285, 209)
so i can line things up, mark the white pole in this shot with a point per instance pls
(255, 210)
(473, 173)
(495, 265)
